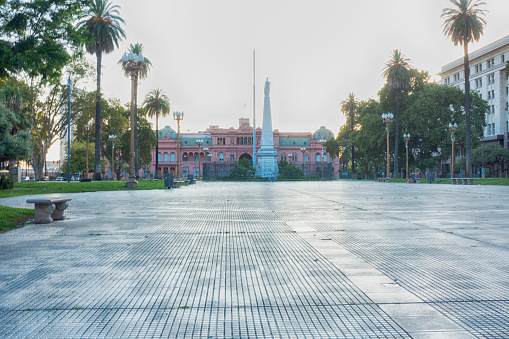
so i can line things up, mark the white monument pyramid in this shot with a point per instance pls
(266, 166)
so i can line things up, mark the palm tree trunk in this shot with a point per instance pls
(353, 153)
(396, 134)
(136, 169)
(97, 160)
(157, 148)
(468, 127)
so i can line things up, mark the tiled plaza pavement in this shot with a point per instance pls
(263, 260)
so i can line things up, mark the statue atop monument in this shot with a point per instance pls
(267, 87)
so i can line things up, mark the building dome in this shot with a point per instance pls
(323, 132)
(168, 131)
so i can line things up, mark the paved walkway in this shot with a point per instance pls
(263, 260)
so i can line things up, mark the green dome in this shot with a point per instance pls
(167, 130)
(323, 132)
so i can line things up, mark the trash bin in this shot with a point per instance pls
(191, 179)
(168, 180)
(431, 177)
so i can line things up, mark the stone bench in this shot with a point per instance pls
(383, 179)
(47, 210)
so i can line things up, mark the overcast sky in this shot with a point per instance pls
(314, 53)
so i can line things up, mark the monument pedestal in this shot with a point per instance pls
(266, 166)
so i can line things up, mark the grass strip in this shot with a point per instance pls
(11, 217)
(48, 187)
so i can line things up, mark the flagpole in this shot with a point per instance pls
(254, 113)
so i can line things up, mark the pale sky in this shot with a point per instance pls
(313, 52)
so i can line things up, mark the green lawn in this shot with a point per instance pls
(11, 217)
(480, 181)
(46, 187)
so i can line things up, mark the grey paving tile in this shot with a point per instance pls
(231, 260)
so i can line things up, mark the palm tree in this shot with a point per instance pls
(142, 73)
(397, 72)
(102, 23)
(349, 106)
(464, 24)
(157, 104)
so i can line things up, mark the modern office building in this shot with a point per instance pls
(488, 77)
(222, 148)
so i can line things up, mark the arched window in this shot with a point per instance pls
(307, 158)
(172, 157)
(325, 157)
(283, 158)
(221, 156)
(158, 157)
(165, 157)
(184, 157)
(317, 157)
(196, 157)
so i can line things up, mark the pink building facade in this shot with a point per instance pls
(224, 147)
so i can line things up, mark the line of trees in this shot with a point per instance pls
(423, 109)
(42, 43)
(426, 111)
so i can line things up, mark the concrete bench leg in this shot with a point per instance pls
(58, 213)
(43, 213)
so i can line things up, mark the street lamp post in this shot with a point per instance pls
(322, 142)
(199, 142)
(407, 139)
(133, 64)
(86, 160)
(387, 119)
(112, 155)
(69, 90)
(178, 116)
(452, 128)
(290, 155)
(303, 149)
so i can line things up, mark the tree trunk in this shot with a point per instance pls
(396, 134)
(353, 152)
(97, 160)
(37, 162)
(136, 169)
(468, 127)
(157, 148)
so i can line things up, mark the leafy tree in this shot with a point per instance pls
(102, 23)
(141, 73)
(12, 93)
(13, 146)
(79, 158)
(47, 121)
(495, 158)
(116, 122)
(348, 107)
(370, 139)
(291, 171)
(242, 170)
(147, 142)
(38, 37)
(397, 73)
(157, 104)
(427, 116)
(464, 24)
